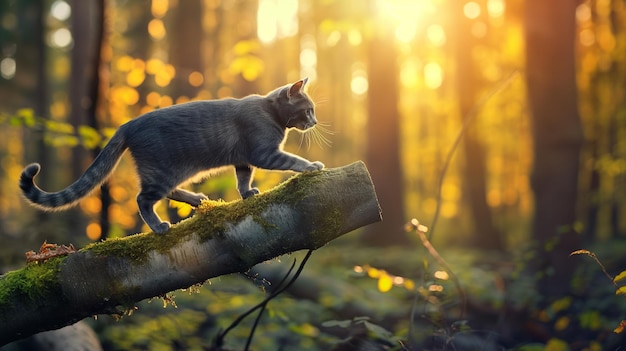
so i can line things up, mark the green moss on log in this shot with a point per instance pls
(211, 218)
(31, 282)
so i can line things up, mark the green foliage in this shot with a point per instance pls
(374, 331)
(56, 133)
(200, 315)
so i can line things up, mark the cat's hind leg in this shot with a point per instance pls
(188, 197)
(244, 179)
(146, 201)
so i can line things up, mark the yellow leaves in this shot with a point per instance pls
(245, 62)
(124, 63)
(245, 47)
(60, 134)
(620, 327)
(27, 115)
(153, 66)
(385, 283)
(163, 78)
(137, 69)
(182, 209)
(135, 77)
(619, 277)
(125, 94)
(89, 136)
(163, 73)
(249, 66)
(621, 290)
(372, 272)
(156, 29)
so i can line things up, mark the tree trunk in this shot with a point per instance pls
(305, 212)
(186, 51)
(80, 76)
(485, 235)
(95, 112)
(84, 87)
(383, 141)
(557, 135)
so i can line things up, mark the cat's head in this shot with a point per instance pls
(295, 108)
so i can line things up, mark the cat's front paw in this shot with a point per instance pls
(249, 193)
(198, 199)
(314, 166)
(161, 227)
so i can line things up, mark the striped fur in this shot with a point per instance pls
(93, 177)
(176, 144)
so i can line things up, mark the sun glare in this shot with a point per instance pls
(433, 75)
(405, 16)
(359, 84)
(471, 10)
(60, 10)
(277, 19)
(436, 34)
(8, 67)
(61, 38)
(496, 8)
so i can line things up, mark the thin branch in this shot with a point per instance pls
(469, 118)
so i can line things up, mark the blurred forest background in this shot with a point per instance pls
(537, 86)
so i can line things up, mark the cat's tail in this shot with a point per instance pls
(95, 175)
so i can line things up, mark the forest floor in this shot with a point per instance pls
(349, 296)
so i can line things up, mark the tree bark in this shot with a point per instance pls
(306, 212)
(383, 141)
(558, 138)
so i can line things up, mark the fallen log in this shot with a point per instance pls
(305, 212)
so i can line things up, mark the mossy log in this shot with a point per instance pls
(305, 212)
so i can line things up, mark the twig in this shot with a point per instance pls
(219, 340)
(466, 122)
(433, 252)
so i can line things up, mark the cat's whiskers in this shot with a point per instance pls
(302, 137)
(307, 137)
(317, 134)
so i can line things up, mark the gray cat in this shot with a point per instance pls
(176, 144)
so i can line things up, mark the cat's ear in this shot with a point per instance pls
(296, 88)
